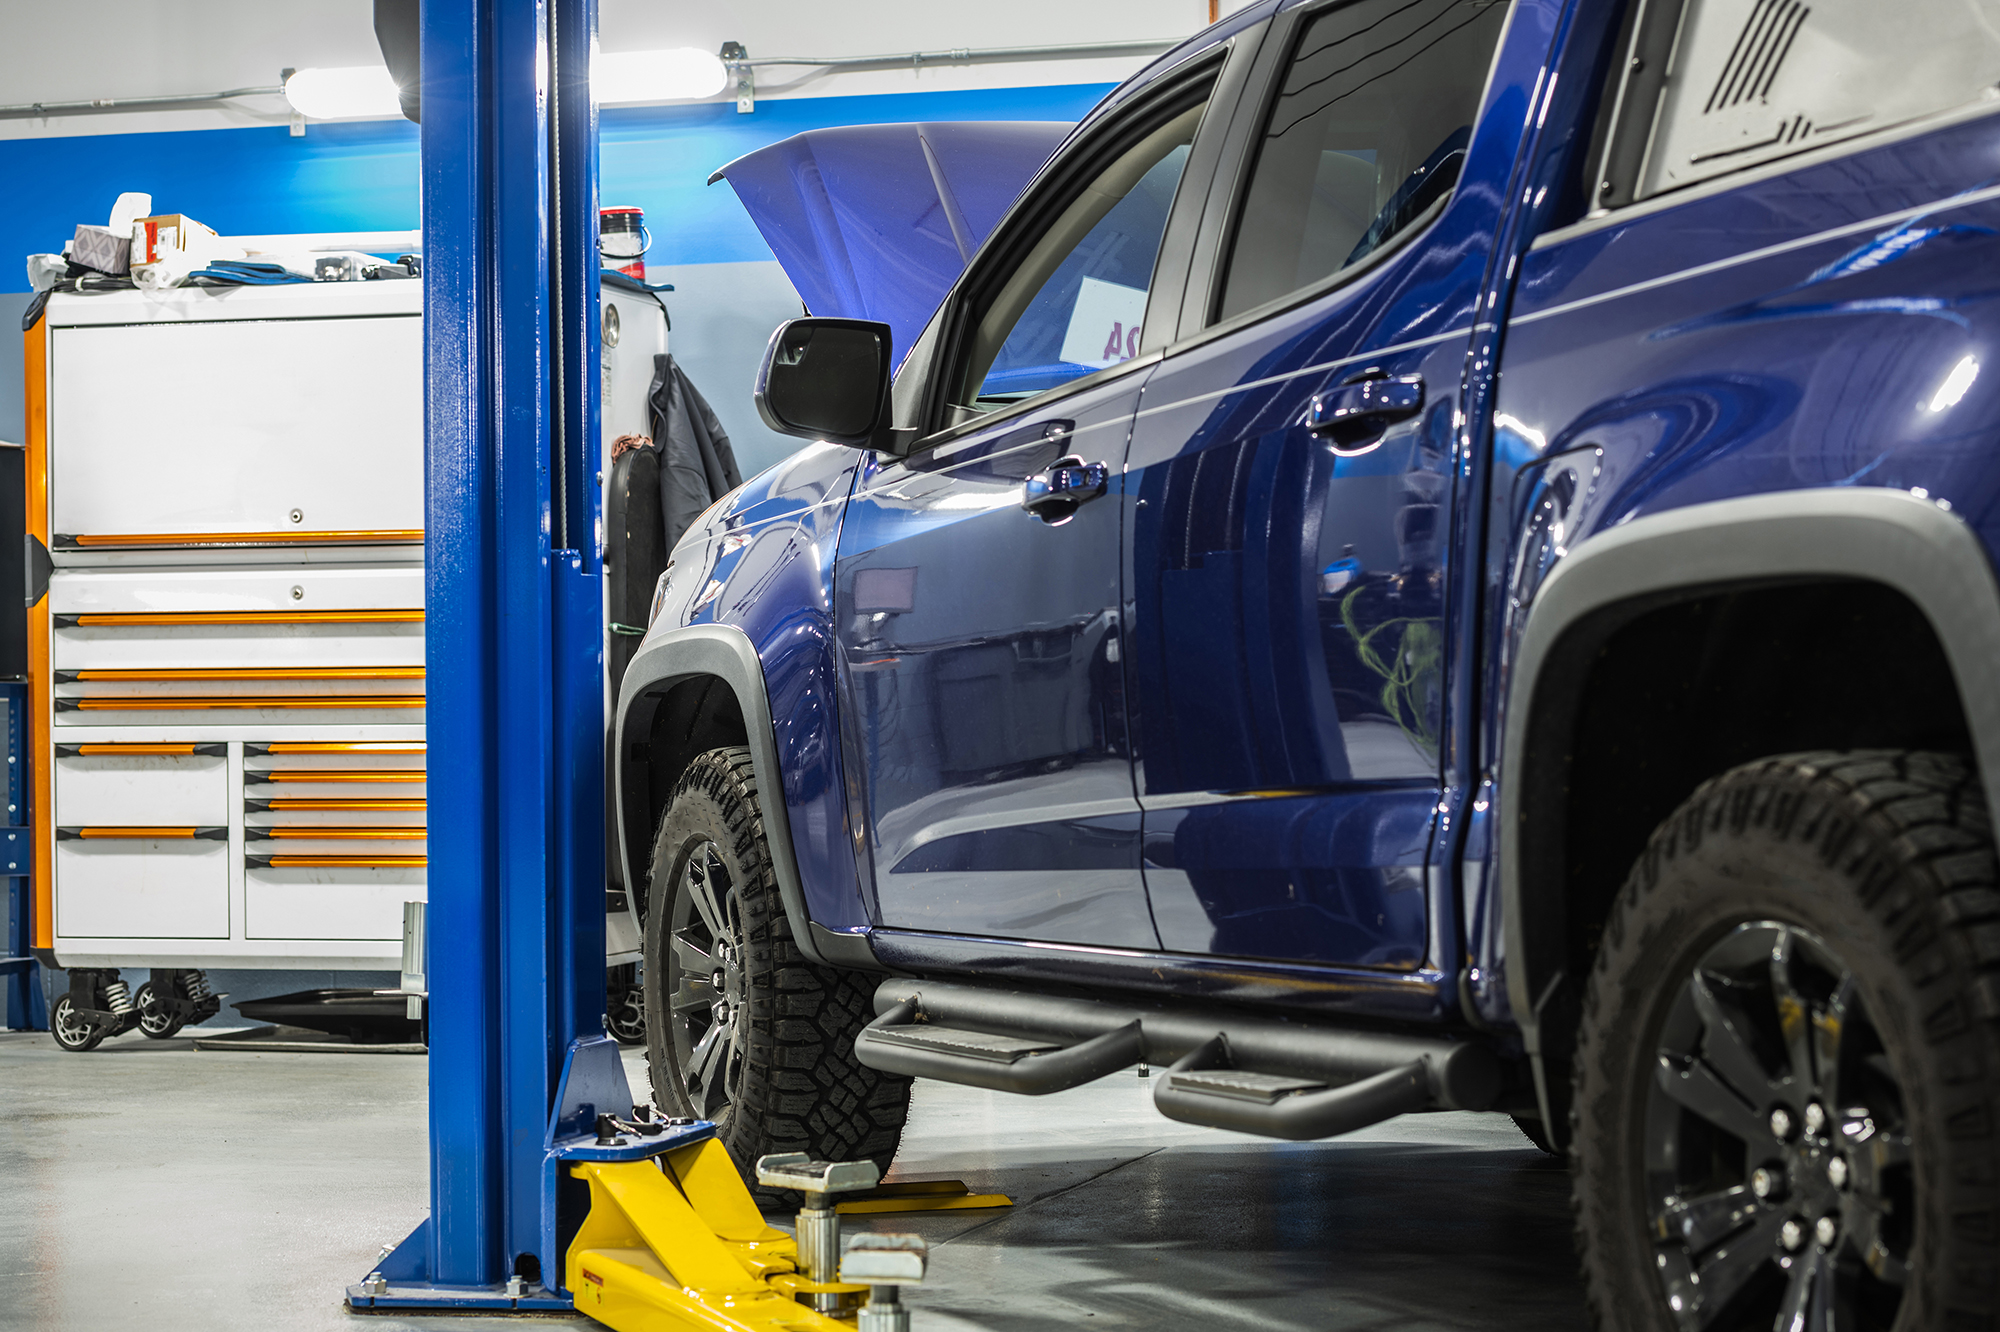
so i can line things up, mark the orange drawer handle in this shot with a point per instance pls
(191, 703)
(246, 673)
(336, 862)
(276, 775)
(136, 834)
(306, 832)
(112, 750)
(333, 747)
(127, 540)
(145, 619)
(330, 802)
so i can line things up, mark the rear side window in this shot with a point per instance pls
(1365, 140)
(1714, 86)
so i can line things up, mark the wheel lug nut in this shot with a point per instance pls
(1826, 1230)
(1781, 1124)
(1792, 1234)
(1815, 1117)
(1767, 1183)
(1836, 1172)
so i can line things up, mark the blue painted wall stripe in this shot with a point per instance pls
(363, 176)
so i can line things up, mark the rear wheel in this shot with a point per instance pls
(72, 1032)
(740, 1028)
(1787, 1067)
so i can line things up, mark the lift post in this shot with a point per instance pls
(514, 649)
(544, 1196)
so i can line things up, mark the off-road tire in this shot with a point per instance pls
(1883, 862)
(799, 1087)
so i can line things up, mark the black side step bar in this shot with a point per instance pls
(1002, 1063)
(1255, 1075)
(1202, 1088)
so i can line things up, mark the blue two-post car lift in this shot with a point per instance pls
(512, 570)
(541, 1198)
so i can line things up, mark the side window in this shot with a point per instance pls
(1076, 302)
(1713, 86)
(1366, 137)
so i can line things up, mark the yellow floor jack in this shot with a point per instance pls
(654, 1230)
(675, 1242)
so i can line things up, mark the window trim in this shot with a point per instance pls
(1881, 137)
(1356, 272)
(1201, 310)
(1634, 124)
(1199, 76)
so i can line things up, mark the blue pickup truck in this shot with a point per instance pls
(1439, 555)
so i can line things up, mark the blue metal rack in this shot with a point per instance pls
(514, 652)
(20, 974)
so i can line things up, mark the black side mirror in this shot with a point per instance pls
(826, 379)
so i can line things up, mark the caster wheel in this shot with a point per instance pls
(626, 1022)
(71, 1032)
(154, 1020)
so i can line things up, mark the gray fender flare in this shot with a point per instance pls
(1916, 546)
(725, 652)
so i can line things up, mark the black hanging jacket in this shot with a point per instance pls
(697, 466)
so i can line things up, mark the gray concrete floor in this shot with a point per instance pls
(243, 1191)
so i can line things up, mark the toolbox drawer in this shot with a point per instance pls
(141, 790)
(328, 903)
(238, 646)
(142, 888)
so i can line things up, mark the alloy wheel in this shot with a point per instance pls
(1777, 1153)
(708, 1009)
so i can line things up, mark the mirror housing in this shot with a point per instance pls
(827, 379)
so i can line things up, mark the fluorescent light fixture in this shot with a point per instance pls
(657, 76)
(334, 94)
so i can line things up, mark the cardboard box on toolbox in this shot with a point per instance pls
(168, 247)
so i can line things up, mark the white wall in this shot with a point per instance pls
(137, 48)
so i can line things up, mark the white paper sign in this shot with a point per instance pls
(1104, 326)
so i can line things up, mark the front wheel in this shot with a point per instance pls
(740, 1028)
(72, 1033)
(1787, 1068)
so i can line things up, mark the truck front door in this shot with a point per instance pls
(977, 583)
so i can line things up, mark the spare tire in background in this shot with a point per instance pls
(635, 552)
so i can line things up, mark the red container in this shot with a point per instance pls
(622, 240)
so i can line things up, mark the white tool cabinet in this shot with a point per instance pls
(228, 668)
(230, 671)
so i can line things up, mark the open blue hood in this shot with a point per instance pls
(877, 221)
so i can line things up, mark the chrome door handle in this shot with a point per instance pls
(1055, 495)
(1354, 415)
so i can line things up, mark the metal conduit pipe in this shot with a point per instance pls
(962, 55)
(743, 66)
(38, 110)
